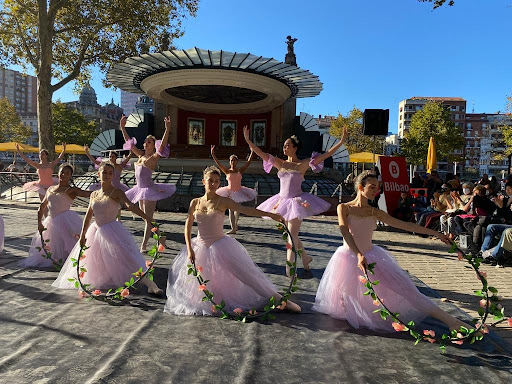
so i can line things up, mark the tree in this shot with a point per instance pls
(433, 120)
(11, 127)
(356, 142)
(439, 3)
(62, 39)
(70, 126)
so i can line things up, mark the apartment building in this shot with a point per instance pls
(20, 90)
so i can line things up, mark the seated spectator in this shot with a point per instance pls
(502, 219)
(439, 204)
(13, 167)
(420, 202)
(454, 183)
(499, 253)
(417, 181)
(484, 180)
(404, 209)
(457, 208)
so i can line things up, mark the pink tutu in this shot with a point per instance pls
(38, 186)
(298, 207)
(111, 259)
(340, 293)
(240, 196)
(146, 189)
(97, 186)
(63, 231)
(234, 278)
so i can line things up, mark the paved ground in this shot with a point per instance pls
(52, 336)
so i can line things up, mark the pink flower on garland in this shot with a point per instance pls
(253, 312)
(362, 279)
(199, 269)
(82, 294)
(237, 311)
(460, 256)
(154, 229)
(430, 340)
(148, 263)
(83, 256)
(96, 292)
(376, 303)
(430, 333)
(509, 321)
(282, 306)
(484, 329)
(275, 207)
(202, 287)
(161, 248)
(458, 342)
(46, 247)
(483, 303)
(82, 274)
(125, 292)
(214, 310)
(399, 327)
(483, 274)
(305, 205)
(288, 246)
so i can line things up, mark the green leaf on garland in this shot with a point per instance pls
(442, 348)
(453, 248)
(205, 298)
(376, 282)
(479, 293)
(481, 312)
(492, 289)
(71, 279)
(77, 284)
(366, 293)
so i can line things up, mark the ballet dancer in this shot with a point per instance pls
(112, 256)
(340, 293)
(44, 170)
(235, 191)
(118, 168)
(62, 224)
(291, 202)
(146, 192)
(234, 276)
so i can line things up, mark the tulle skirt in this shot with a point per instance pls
(299, 207)
(240, 196)
(2, 234)
(97, 186)
(111, 259)
(340, 293)
(233, 277)
(63, 231)
(37, 186)
(154, 193)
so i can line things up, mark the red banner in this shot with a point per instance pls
(393, 171)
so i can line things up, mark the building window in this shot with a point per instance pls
(196, 131)
(468, 126)
(258, 128)
(228, 133)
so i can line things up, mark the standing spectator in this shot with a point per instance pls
(13, 167)
(434, 184)
(484, 180)
(417, 181)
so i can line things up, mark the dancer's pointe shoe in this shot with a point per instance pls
(143, 250)
(291, 306)
(305, 262)
(156, 292)
(232, 232)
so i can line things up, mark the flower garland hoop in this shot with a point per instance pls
(114, 296)
(488, 305)
(238, 313)
(47, 254)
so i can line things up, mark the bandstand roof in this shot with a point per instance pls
(228, 76)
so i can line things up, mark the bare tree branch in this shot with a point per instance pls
(76, 69)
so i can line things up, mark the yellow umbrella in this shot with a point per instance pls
(431, 156)
(11, 147)
(74, 149)
(362, 157)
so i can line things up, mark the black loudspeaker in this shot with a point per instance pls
(376, 122)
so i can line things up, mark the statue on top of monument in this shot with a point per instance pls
(290, 41)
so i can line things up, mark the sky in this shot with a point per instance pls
(367, 53)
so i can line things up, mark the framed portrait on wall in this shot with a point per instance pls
(228, 133)
(196, 131)
(258, 130)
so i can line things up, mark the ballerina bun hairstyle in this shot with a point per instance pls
(296, 143)
(151, 137)
(65, 165)
(363, 177)
(209, 170)
(106, 164)
(233, 157)
(44, 151)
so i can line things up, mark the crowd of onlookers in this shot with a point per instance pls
(476, 214)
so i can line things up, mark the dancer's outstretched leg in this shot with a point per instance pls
(232, 221)
(294, 228)
(148, 207)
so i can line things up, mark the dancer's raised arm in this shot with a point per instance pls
(128, 139)
(27, 160)
(60, 157)
(265, 156)
(221, 167)
(318, 159)
(88, 154)
(126, 160)
(167, 132)
(246, 165)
